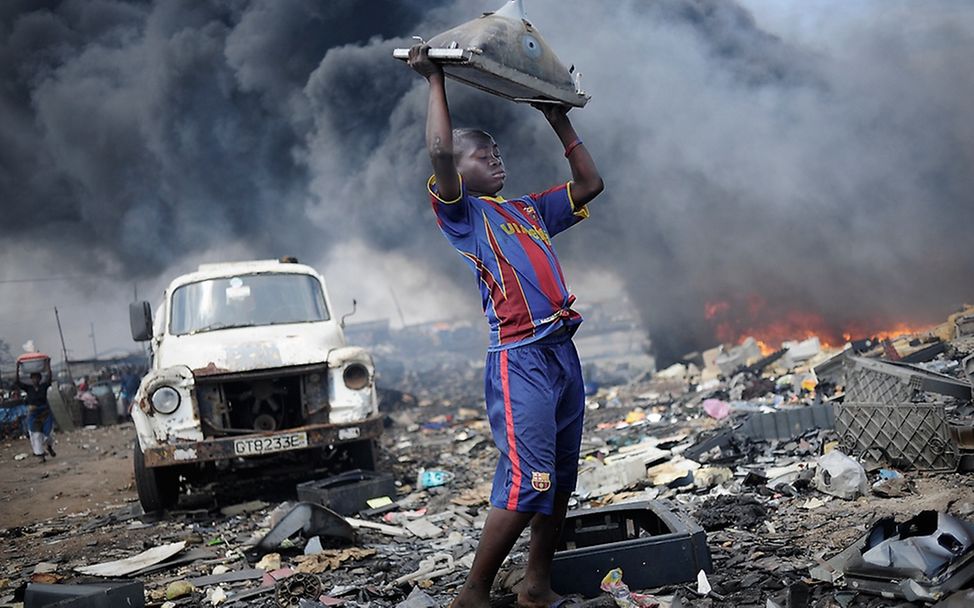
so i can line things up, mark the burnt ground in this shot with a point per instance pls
(81, 508)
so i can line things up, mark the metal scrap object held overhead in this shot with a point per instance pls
(503, 54)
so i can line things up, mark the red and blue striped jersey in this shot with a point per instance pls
(507, 244)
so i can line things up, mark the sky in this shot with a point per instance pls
(767, 164)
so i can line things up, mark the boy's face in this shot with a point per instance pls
(479, 162)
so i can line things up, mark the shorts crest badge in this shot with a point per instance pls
(540, 481)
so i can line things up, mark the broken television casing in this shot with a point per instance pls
(504, 54)
(250, 371)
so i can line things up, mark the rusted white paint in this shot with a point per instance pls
(349, 405)
(154, 428)
(184, 454)
(244, 349)
(248, 348)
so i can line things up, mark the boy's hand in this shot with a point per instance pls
(553, 112)
(420, 61)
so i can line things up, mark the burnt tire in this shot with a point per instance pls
(158, 487)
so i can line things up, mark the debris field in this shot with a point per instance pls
(735, 478)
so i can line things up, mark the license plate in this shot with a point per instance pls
(267, 445)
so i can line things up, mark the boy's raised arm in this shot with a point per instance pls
(439, 129)
(586, 181)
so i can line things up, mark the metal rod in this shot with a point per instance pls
(434, 54)
(94, 348)
(64, 349)
(395, 300)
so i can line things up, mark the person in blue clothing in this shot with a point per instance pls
(533, 383)
(40, 418)
(130, 385)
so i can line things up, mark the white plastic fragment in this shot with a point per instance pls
(313, 546)
(147, 558)
(371, 525)
(841, 476)
(216, 596)
(703, 585)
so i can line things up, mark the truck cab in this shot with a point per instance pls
(250, 370)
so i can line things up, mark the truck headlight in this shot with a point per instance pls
(165, 400)
(356, 376)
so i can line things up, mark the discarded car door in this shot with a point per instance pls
(249, 366)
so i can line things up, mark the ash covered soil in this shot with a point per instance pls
(81, 508)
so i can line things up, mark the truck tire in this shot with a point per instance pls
(158, 487)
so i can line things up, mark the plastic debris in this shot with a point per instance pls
(271, 561)
(432, 478)
(624, 598)
(313, 546)
(716, 408)
(178, 589)
(436, 565)
(147, 558)
(216, 596)
(311, 519)
(703, 585)
(417, 598)
(291, 590)
(841, 476)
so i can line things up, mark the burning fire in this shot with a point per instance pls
(752, 316)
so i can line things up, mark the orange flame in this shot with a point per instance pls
(735, 321)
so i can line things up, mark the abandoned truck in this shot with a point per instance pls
(250, 370)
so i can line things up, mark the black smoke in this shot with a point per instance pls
(824, 168)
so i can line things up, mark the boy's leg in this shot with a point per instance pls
(546, 529)
(500, 532)
(522, 422)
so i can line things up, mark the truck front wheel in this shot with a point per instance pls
(158, 487)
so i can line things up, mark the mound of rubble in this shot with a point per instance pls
(803, 477)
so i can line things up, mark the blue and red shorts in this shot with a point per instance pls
(535, 404)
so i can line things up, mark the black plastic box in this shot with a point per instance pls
(349, 492)
(654, 543)
(109, 594)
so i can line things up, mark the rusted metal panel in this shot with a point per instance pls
(276, 372)
(503, 54)
(208, 450)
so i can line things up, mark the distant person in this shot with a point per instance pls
(533, 380)
(40, 418)
(130, 386)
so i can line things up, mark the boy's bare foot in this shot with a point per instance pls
(549, 599)
(459, 602)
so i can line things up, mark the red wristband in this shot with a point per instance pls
(572, 146)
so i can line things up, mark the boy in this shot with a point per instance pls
(533, 384)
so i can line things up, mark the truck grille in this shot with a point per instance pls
(262, 401)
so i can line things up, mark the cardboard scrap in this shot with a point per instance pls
(475, 496)
(329, 559)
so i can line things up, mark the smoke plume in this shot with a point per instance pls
(814, 158)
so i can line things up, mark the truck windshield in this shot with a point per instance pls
(246, 301)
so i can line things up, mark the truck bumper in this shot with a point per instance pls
(222, 448)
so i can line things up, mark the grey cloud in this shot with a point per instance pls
(743, 164)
